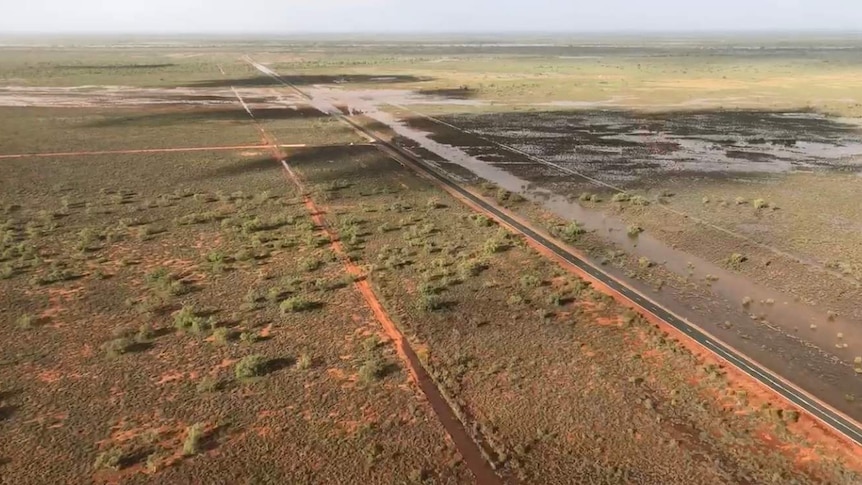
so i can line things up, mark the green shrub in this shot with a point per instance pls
(629, 316)
(471, 268)
(165, 284)
(434, 203)
(621, 197)
(399, 207)
(26, 322)
(371, 343)
(556, 299)
(503, 195)
(304, 362)
(55, 274)
(316, 241)
(250, 366)
(273, 294)
(146, 232)
(645, 262)
(221, 335)
(295, 304)
(481, 220)
(208, 384)
(310, 264)
(203, 197)
(87, 240)
(216, 260)
(250, 226)
(194, 433)
(145, 333)
(639, 200)
(760, 204)
(118, 346)
(109, 459)
(572, 232)
(186, 319)
(736, 259)
(634, 230)
(201, 326)
(371, 370)
(494, 245)
(429, 288)
(197, 218)
(530, 281)
(386, 227)
(430, 302)
(248, 337)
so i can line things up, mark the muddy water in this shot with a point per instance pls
(771, 309)
(625, 146)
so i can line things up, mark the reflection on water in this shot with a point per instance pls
(779, 310)
(619, 145)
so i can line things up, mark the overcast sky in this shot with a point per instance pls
(301, 16)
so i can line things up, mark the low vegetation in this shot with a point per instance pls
(219, 264)
(192, 443)
(250, 366)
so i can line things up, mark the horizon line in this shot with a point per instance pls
(414, 33)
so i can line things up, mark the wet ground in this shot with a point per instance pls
(626, 146)
(258, 93)
(709, 294)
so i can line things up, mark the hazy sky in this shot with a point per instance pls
(297, 16)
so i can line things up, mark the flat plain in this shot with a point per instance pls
(199, 265)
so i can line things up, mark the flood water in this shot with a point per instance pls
(625, 146)
(764, 131)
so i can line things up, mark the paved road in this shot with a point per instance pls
(824, 413)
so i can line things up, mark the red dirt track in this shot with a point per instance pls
(470, 451)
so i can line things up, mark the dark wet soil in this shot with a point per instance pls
(626, 146)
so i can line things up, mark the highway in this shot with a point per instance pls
(804, 401)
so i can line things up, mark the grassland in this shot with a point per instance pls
(653, 75)
(542, 367)
(177, 317)
(131, 307)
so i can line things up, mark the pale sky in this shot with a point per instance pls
(408, 16)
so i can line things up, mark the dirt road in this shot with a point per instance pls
(474, 454)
